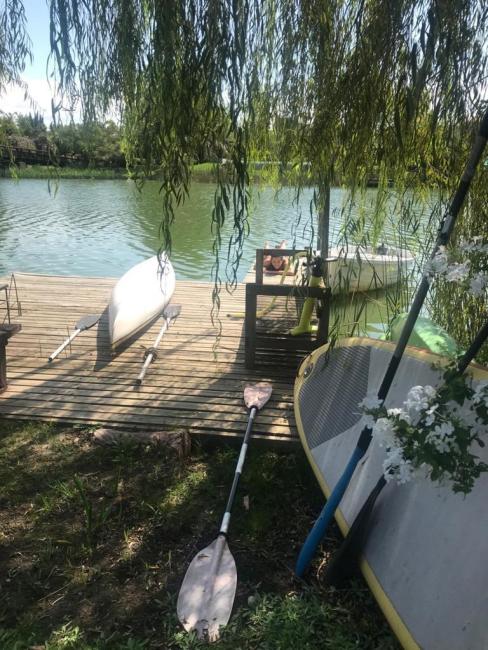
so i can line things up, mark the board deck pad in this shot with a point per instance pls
(425, 553)
(345, 383)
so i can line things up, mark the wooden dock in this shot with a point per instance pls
(187, 386)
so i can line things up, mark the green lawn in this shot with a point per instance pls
(94, 543)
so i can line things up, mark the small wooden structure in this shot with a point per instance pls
(273, 334)
(192, 385)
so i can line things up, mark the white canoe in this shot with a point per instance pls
(366, 269)
(139, 297)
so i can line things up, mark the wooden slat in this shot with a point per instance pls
(187, 386)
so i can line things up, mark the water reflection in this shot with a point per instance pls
(102, 228)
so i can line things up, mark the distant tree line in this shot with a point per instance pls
(26, 139)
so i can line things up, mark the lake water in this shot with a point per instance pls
(102, 228)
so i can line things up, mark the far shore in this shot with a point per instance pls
(202, 172)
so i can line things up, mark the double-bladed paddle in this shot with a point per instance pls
(170, 313)
(208, 590)
(83, 324)
(445, 229)
(344, 560)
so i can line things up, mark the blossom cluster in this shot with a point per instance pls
(434, 432)
(466, 265)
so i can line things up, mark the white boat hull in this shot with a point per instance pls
(365, 270)
(139, 297)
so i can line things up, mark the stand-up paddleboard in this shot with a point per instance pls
(425, 555)
(139, 297)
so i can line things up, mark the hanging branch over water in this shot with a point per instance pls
(333, 90)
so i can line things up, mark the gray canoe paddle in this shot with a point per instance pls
(170, 313)
(208, 590)
(83, 324)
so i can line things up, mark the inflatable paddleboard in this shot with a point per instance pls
(426, 335)
(425, 558)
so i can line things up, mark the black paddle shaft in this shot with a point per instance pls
(445, 230)
(237, 475)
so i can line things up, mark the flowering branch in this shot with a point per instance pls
(466, 265)
(435, 432)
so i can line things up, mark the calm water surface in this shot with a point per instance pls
(102, 228)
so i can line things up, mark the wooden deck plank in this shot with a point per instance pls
(187, 386)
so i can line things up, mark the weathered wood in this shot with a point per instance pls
(6, 331)
(188, 386)
(278, 339)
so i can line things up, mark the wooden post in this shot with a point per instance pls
(6, 331)
(324, 221)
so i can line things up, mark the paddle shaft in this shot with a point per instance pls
(446, 227)
(64, 345)
(351, 547)
(224, 527)
(148, 360)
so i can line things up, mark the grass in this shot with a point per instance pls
(94, 543)
(51, 172)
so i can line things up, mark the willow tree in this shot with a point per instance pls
(337, 87)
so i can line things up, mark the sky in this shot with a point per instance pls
(13, 100)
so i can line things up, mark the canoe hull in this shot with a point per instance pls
(424, 556)
(139, 297)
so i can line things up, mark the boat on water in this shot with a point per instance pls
(424, 556)
(139, 297)
(350, 269)
(366, 268)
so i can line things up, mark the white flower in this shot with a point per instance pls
(369, 421)
(370, 403)
(395, 467)
(474, 246)
(440, 437)
(418, 400)
(481, 393)
(438, 264)
(384, 432)
(457, 272)
(400, 413)
(478, 283)
(430, 415)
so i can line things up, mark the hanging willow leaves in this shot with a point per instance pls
(14, 42)
(335, 91)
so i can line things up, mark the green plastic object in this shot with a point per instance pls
(426, 335)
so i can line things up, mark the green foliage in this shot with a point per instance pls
(343, 90)
(14, 42)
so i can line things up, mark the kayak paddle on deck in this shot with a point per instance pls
(208, 590)
(170, 314)
(83, 324)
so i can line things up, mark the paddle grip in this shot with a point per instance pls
(64, 345)
(224, 527)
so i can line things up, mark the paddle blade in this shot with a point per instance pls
(208, 590)
(170, 312)
(256, 395)
(87, 321)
